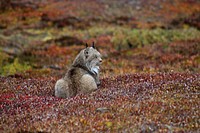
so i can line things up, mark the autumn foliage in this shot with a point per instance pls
(150, 78)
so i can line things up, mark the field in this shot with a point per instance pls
(150, 75)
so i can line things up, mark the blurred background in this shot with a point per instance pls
(42, 37)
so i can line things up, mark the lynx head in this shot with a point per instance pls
(90, 58)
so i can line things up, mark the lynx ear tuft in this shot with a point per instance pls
(93, 45)
(86, 45)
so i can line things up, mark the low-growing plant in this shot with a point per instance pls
(15, 67)
(127, 38)
(3, 60)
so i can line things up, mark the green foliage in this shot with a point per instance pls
(122, 38)
(126, 38)
(108, 124)
(98, 31)
(14, 67)
(3, 59)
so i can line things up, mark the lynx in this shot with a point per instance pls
(83, 75)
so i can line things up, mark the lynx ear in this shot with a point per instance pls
(86, 45)
(93, 45)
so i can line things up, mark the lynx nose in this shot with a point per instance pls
(100, 60)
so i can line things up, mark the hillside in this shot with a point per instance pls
(150, 75)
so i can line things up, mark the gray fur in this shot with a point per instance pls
(82, 77)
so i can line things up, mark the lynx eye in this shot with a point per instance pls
(86, 52)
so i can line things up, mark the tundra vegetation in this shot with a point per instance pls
(150, 75)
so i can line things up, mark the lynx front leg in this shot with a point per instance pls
(95, 70)
(97, 80)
